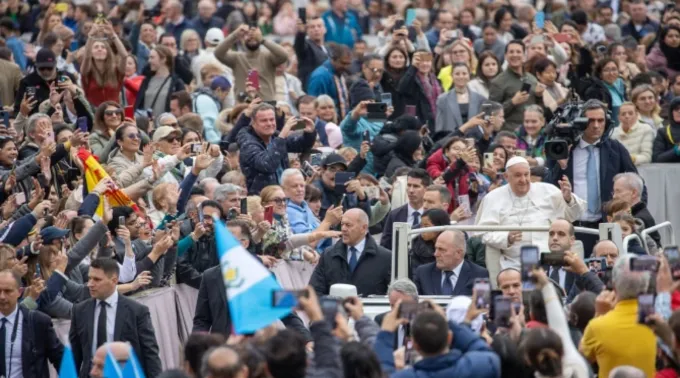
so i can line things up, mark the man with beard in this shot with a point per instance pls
(45, 75)
(202, 253)
(264, 61)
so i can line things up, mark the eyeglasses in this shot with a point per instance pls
(171, 139)
(110, 113)
(134, 136)
(46, 68)
(278, 201)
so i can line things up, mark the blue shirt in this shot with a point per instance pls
(344, 31)
(17, 47)
(301, 218)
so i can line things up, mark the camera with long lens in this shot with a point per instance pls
(564, 130)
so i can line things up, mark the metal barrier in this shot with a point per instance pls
(402, 235)
(627, 240)
(658, 227)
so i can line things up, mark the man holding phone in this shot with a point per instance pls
(264, 153)
(264, 60)
(309, 47)
(561, 240)
(347, 194)
(514, 88)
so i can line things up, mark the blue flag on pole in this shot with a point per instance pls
(111, 367)
(249, 285)
(67, 369)
(133, 369)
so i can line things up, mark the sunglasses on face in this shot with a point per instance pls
(278, 201)
(110, 113)
(134, 136)
(171, 139)
(46, 69)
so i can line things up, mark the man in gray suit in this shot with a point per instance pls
(108, 317)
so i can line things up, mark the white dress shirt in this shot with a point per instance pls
(13, 354)
(410, 212)
(111, 308)
(454, 276)
(359, 247)
(581, 176)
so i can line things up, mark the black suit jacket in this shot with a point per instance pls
(569, 279)
(39, 343)
(428, 279)
(614, 159)
(400, 214)
(133, 325)
(212, 312)
(371, 276)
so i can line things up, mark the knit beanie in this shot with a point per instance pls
(360, 91)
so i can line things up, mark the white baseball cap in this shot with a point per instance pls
(214, 36)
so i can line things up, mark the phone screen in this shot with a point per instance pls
(673, 256)
(386, 98)
(529, 256)
(286, 298)
(539, 19)
(645, 307)
(20, 198)
(483, 290)
(5, 118)
(341, 178)
(502, 311)
(244, 206)
(254, 79)
(315, 159)
(269, 214)
(553, 259)
(329, 307)
(488, 159)
(526, 87)
(644, 263)
(82, 124)
(408, 310)
(366, 136)
(410, 110)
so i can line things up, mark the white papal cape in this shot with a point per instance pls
(543, 204)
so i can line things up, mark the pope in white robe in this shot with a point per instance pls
(522, 203)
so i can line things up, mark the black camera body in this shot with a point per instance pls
(565, 130)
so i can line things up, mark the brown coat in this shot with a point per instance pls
(9, 82)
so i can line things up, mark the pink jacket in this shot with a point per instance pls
(657, 60)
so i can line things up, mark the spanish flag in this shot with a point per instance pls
(95, 173)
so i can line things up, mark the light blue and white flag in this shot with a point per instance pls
(67, 368)
(249, 285)
(133, 369)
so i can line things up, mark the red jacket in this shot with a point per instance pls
(456, 175)
(132, 86)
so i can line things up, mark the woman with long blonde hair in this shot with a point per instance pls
(102, 70)
(460, 52)
(646, 101)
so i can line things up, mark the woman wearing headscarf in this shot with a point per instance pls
(665, 54)
(666, 148)
(407, 152)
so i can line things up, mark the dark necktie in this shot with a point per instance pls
(101, 324)
(447, 286)
(3, 334)
(353, 261)
(555, 274)
(416, 218)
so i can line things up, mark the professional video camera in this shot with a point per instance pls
(564, 130)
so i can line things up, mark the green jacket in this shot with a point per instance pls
(476, 251)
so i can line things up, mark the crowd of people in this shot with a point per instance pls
(311, 128)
